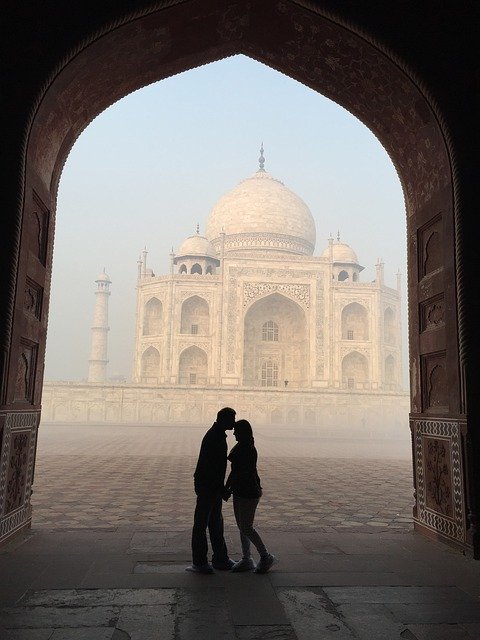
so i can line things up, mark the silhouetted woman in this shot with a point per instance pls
(244, 484)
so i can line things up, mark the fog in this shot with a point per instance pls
(152, 166)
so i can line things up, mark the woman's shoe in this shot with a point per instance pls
(265, 563)
(224, 566)
(245, 564)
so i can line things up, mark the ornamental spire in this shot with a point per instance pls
(261, 160)
(198, 229)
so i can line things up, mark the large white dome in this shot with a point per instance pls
(261, 213)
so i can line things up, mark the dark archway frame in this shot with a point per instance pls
(330, 57)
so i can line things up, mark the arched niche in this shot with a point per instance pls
(195, 316)
(153, 317)
(275, 329)
(193, 366)
(183, 269)
(390, 371)
(150, 365)
(389, 326)
(196, 268)
(354, 371)
(354, 322)
(276, 417)
(343, 275)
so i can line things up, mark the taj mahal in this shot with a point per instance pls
(249, 316)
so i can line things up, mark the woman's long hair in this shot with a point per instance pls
(244, 432)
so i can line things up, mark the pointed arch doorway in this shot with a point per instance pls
(123, 51)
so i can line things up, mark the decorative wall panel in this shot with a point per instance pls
(39, 218)
(439, 476)
(434, 382)
(26, 366)
(33, 298)
(430, 243)
(16, 470)
(254, 290)
(432, 313)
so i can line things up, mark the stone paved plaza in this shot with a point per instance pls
(142, 476)
(106, 556)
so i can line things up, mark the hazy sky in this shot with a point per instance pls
(154, 164)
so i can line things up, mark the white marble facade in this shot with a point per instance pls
(248, 305)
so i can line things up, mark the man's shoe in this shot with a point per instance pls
(265, 563)
(201, 568)
(245, 564)
(224, 566)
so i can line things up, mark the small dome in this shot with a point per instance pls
(262, 213)
(341, 253)
(197, 246)
(103, 277)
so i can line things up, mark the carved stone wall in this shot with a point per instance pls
(439, 476)
(16, 470)
(345, 413)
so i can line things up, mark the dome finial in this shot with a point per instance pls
(338, 236)
(261, 159)
(198, 229)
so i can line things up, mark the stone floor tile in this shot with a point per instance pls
(99, 597)
(26, 634)
(52, 617)
(332, 578)
(147, 622)
(371, 621)
(313, 616)
(159, 567)
(254, 601)
(204, 615)
(88, 633)
(435, 613)
(397, 594)
(266, 633)
(440, 632)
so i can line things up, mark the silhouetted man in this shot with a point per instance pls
(209, 479)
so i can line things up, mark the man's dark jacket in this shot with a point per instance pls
(210, 471)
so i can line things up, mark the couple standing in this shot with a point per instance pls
(210, 486)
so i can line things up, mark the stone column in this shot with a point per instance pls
(98, 354)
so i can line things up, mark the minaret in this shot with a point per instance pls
(98, 354)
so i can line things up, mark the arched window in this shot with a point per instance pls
(193, 366)
(354, 322)
(195, 316)
(343, 275)
(355, 277)
(209, 270)
(354, 370)
(183, 269)
(150, 365)
(196, 268)
(269, 374)
(152, 319)
(270, 331)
